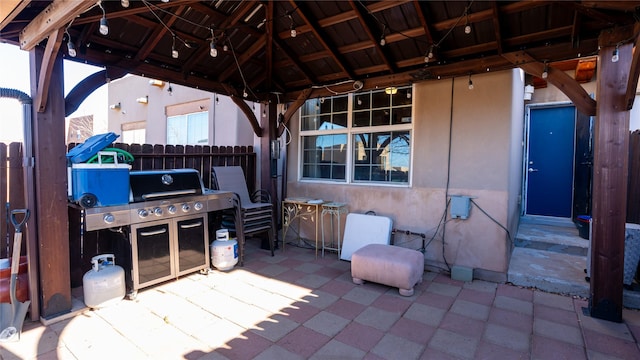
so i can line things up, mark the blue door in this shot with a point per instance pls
(549, 171)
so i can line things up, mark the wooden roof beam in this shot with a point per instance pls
(576, 93)
(55, 16)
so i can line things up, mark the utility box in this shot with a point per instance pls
(460, 206)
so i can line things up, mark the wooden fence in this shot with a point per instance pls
(633, 190)
(11, 193)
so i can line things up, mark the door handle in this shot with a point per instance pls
(532, 170)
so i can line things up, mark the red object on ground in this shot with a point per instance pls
(22, 283)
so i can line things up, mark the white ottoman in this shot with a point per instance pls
(388, 265)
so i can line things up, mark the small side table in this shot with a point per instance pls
(333, 209)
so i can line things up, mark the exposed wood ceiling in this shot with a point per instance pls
(337, 43)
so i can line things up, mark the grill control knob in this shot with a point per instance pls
(186, 207)
(198, 206)
(172, 209)
(157, 211)
(109, 218)
(143, 213)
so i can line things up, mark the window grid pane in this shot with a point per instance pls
(382, 156)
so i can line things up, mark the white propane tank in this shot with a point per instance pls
(104, 284)
(224, 251)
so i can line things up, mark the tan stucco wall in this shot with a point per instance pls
(231, 126)
(486, 153)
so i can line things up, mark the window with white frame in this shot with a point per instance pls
(358, 138)
(134, 132)
(188, 129)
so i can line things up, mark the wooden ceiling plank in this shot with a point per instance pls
(9, 9)
(321, 38)
(372, 39)
(158, 33)
(55, 16)
(423, 21)
(48, 60)
(228, 22)
(269, 44)
(496, 26)
(576, 93)
(246, 56)
(132, 11)
(308, 74)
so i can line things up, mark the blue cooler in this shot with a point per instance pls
(101, 184)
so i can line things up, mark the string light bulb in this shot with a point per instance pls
(545, 71)
(470, 83)
(244, 93)
(174, 52)
(467, 27)
(383, 41)
(71, 49)
(294, 33)
(104, 25)
(429, 54)
(225, 47)
(124, 3)
(615, 57)
(212, 47)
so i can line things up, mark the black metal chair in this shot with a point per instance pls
(251, 214)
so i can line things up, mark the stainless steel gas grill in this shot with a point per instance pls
(167, 219)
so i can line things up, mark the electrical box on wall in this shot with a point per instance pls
(460, 206)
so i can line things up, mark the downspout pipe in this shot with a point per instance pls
(29, 198)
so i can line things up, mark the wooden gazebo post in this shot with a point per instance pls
(610, 170)
(51, 214)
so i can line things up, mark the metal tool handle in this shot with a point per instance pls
(18, 223)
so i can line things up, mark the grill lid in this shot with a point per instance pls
(164, 184)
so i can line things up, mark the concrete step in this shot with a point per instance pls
(556, 273)
(561, 239)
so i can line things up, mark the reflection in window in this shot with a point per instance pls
(324, 157)
(379, 136)
(382, 156)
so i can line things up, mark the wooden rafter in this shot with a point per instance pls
(496, 26)
(54, 17)
(372, 39)
(315, 29)
(244, 57)
(228, 22)
(158, 33)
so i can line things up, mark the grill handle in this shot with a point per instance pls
(169, 193)
(152, 233)
(190, 226)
